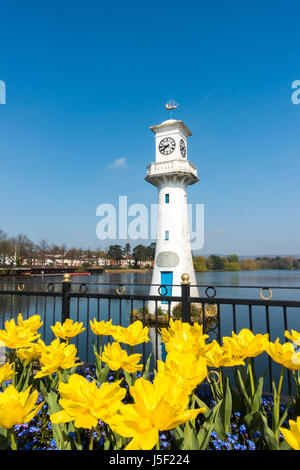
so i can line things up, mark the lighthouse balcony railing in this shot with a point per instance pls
(157, 168)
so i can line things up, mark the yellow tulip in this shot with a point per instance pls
(294, 336)
(17, 407)
(118, 358)
(292, 435)
(6, 372)
(102, 328)
(181, 330)
(32, 353)
(182, 338)
(57, 356)
(245, 343)
(67, 330)
(158, 406)
(284, 354)
(134, 334)
(218, 357)
(17, 336)
(33, 323)
(85, 403)
(184, 368)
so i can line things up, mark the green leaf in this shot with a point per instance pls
(201, 404)
(227, 407)
(97, 362)
(268, 435)
(242, 388)
(285, 446)
(204, 435)
(128, 378)
(222, 423)
(178, 436)
(283, 417)
(209, 425)
(256, 402)
(102, 377)
(190, 440)
(147, 367)
(253, 421)
(23, 378)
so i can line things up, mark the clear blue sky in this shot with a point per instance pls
(85, 80)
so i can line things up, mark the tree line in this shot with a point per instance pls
(234, 263)
(19, 250)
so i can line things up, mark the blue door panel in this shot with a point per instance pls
(165, 279)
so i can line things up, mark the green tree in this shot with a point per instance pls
(140, 253)
(233, 258)
(232, 266)
(151, 251)
(296, 264)
(127, 250)
(215, 262)
(199, 263)
(115, 252)
(249, 264)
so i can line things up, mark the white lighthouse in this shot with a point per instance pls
(171, 173)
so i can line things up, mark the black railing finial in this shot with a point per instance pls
(65, 301)
(185, 293)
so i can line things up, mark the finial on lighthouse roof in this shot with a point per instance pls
(170, 106)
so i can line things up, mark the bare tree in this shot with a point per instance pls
(21, 244)
(7, 251)
(43, 250)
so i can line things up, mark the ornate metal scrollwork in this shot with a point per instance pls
(210, 323)
(159, 290)
(120, 292)
(211, 372)
(265, 289)
(83, 288)
(207, 292)
(50, 287)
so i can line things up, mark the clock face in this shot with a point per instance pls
(167, 146)
(182, 148)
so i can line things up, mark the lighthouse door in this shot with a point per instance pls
(166, 279)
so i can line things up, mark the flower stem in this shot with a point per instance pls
(14, 374)
(251, 376)
(91, 441)
(13, 442)
(221, 382)
(278, 400)
(100, 351)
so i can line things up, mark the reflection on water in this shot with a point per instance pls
(243, 284)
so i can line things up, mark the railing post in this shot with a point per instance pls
(65, 300)
(185, 294)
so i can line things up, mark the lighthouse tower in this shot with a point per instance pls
(171, 173)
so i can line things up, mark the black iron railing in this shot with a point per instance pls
(220, 314)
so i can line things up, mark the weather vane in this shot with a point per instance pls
(170, 105)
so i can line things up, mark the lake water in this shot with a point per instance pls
(285, 285)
